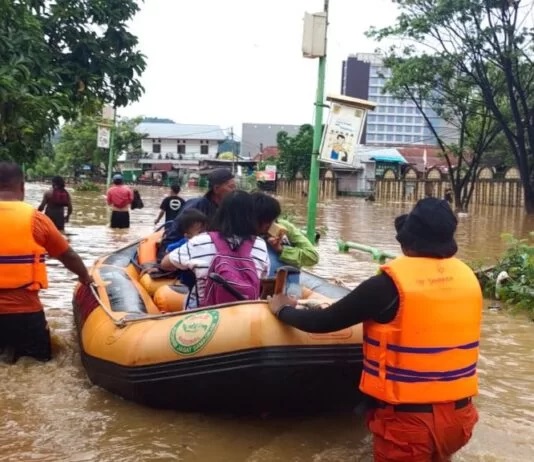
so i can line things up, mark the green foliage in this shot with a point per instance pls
(58, 59)
(227, 156)
(247, 182)
(436, 87)
(518, 262)
(157, 120)
(77, 145)
(88, 186)
(487, 42)
(295, 152)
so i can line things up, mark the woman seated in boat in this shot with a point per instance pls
(287, 245)
(231, 252)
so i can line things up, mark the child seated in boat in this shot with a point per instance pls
(189, 224)
(232, 251)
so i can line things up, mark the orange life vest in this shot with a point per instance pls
(429, 352)
(22, 260)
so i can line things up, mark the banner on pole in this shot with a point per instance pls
(344, 129)
(108, 113)
(103, 137)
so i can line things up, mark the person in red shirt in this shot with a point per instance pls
(119, 198)
(25, 238)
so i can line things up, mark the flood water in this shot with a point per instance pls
(51, 412)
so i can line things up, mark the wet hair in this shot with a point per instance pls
(235, 216)
(11, 176)
(175, 188)
(266, 208)
(58, 182)
(188, 218)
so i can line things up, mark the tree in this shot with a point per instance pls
(491, 42)
(227, 155)
(295, 152)
(77, 145)
(58, 59)
(157, 120)
(437, 89)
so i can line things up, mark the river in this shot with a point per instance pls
(51, 412)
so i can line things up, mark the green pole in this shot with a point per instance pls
(317, 136)
(111, 148)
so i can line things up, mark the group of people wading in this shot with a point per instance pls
(421, 315)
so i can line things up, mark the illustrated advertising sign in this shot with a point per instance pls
(269, 174)
(344, 130)
(103, 137)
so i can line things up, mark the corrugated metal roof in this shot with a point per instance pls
(181, 131)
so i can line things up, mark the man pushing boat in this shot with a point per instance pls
(26, 236)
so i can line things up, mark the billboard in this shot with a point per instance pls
(342, 133)
(269, 174)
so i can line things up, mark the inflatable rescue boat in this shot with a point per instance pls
(137, 341)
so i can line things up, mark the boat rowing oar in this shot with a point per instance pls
(226, 285)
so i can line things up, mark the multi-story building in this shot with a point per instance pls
(179, 145)
(393, 122)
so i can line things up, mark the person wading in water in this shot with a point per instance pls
(421, 330)
(26, 236)
(54, 202)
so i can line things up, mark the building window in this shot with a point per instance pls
(180, 149)
(389, 137)
(391, 119)
(381, 118)
(399, 119)
(204, 149)
(156, 148)
(380, 137)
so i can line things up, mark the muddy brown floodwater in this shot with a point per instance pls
(51, 412)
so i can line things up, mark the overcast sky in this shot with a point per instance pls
(226, 62)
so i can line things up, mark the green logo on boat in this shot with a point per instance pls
(193, 332)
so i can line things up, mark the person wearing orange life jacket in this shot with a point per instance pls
(421, 322)
(54, 202)
(25, 238)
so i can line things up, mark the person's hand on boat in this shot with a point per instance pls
(150, 270)
(276, 244)
(279, 301)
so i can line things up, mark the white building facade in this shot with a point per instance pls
(166, 143)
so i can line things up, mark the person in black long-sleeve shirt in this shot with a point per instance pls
(421, 320)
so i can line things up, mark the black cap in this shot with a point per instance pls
(428, 229)
(219, 176)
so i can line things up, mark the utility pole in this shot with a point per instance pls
(317, 136)
(233, 149)
(111, 151)
(109, 119)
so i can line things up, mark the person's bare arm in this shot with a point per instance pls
(69, 208)
(72, 261)
(158, 218)
(43, 203)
